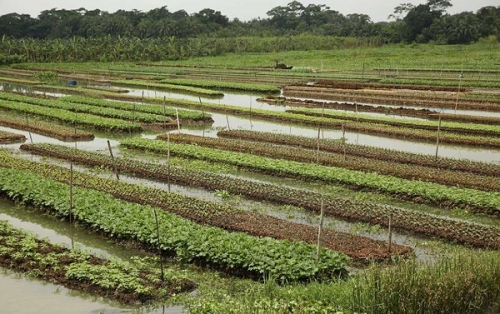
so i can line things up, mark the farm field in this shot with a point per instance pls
(321, 189)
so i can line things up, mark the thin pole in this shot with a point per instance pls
(320, 230)
(317, 148)
(458, 92)
(168, 161)
(343, 140)
(202, 115)
(113, 160)
(71, 202)
(390, 233)
(159, 248)
(164, 112)
(178, 121)
(250, 113)
(438, 136)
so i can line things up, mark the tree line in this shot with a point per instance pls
(81, 35)
(409, 23)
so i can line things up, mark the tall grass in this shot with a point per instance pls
(458, 283)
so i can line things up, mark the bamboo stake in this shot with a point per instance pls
(178, 121)
(159, 248)
(168, 161)
(115, 170)
(317, 148)
(250, 112)
(390, 233)
(438, 136)
(202, 114)
(343, 141)
(458, 92)
(320, 230)
(71, 202)
(164, 112)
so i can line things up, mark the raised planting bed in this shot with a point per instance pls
(400, 111)
(66, 116)
(60, 132)
(185, 116)
(451, 127)
(11, 138)
(115, 113)
(392, 98)
(336, 146)
(19, 81)
(223, 85)
(360, 249)
(460, 231)
(124, 282)
(411, 172)
(234, 252)
(423, 192)
(360, 85)
(170, 87)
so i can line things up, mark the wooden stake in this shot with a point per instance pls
(320, 230)
(115, 170)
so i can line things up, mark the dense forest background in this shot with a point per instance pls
(59, 35)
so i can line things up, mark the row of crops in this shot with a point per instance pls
(372, 152)
(57, 131)
(410, 131)
(236, 253)
(460, 231)
(402, 170)
(8, 137)
(127, 283)
(225, 237)
(480, 201)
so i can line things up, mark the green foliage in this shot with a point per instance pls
(171, 87)
(47, 76)
(223, 85)
(414, 221)
(489, 201)
(283, 260)
(64, 112)
(53, 262)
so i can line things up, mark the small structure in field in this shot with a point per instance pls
(282, 66)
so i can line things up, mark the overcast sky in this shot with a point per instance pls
(378, 10)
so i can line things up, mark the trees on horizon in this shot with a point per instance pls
(409, 23)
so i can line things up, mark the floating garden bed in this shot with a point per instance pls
(234, 252)
(336, 146)
(11, 138)
(455, 230)
(60, 132)
(124, 282)
(426, 192)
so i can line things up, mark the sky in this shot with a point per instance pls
(378, 10)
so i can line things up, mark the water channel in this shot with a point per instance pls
(20, 294)
(23, 295)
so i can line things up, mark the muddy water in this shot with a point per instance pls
(249, 123)
(232, 122)
(23, 295)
